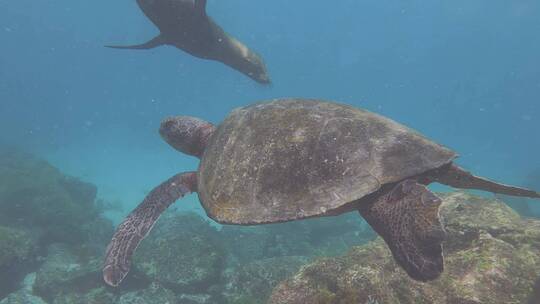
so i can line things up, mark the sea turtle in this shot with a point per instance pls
(290, 159)
(185, 25)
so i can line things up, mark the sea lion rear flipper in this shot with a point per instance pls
(407, 218)
(155, 42)
(200, 6)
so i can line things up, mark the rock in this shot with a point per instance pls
(24, 295)
(252, 243)
(94, 296)
(289, 239)
(37, 200)
(195, 299)
(16, 246)
(65, 272)
(331, 236)
(246, 243)
(522, 205)
(82, 192)
(98, 233)
(312, 237)
(18, 252)
(183, 252)
(153, 294)
(491, 257)
(35, 195)
(253, 282)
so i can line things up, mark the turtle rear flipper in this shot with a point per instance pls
(407, 218)
(456, 177)
(139, 222)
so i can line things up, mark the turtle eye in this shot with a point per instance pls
(167, 128)
(167, 124)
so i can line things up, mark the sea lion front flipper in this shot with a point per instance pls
(407, 218)
(200, 6)
(155, 42)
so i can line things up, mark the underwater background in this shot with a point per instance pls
(464, 73)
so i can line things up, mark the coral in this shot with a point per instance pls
(491, 257)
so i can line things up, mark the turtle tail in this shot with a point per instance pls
(457, 177)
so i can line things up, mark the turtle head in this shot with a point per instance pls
(186, 134)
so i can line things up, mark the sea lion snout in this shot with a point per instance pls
(254, 67)
(260, 78)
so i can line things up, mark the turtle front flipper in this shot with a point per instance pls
(407, 218)
(139, 222)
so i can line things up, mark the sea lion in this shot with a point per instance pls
(185, 25)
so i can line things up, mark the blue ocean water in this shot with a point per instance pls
(463, 73)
